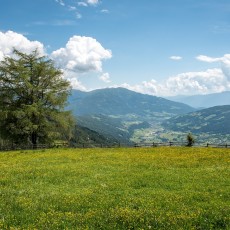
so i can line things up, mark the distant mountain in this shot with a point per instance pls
(117, 112)
(121, 115)
(121, 101)
(204, 101)
(212, 120)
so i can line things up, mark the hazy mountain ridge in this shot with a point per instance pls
(204, 101)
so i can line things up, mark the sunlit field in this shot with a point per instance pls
(122, 188)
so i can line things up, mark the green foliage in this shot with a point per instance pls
(89, 138)
(112, 128)
(190, 140)
(142, 188)
(32, 98)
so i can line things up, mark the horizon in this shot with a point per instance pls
(178, 95)
(161, 48)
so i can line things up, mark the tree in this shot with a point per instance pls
(190, 140)
(33, 95)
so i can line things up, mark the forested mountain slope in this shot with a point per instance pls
(212, 120)
(120, 101)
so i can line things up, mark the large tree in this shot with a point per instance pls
(33, 95)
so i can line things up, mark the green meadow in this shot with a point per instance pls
(120, 188)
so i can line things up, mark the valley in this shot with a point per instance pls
(129, 117)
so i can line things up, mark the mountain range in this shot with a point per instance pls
(121, 101)
(204, 101)
(126, 116)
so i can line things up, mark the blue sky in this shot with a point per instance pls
(158, 47)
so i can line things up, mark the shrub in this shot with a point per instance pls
(190, 140)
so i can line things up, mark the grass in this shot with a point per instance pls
(141, 188)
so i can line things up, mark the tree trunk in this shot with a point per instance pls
(34, 138)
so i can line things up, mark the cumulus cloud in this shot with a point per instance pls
(81, 55)
(189, 83)
(209, 81)
(224, 61)
(105, 78)
(203, 82)
(75, 82)
(207, 59)
(175, 58)
(88, 3)
(82, 4)
(150, 87)
(85, 55)
(93, 2)
(10, 40)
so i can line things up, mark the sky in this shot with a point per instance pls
(157, 47)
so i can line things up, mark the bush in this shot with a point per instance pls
(190, 140)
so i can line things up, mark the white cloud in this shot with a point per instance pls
(84, 55)
(224, 61)
(175, 58)
(82, 4)
(210, 81)
(105, 11)
(207, 59)
(81, 55)
(88, 3)
(72, 8)
(151, 87)
(93, 2)
(60, 2)
(10, 40)
(75, 82)
(190, 83)
(105, 78)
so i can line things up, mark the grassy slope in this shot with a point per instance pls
(152, 188)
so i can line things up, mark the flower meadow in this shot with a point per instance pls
(117, 188)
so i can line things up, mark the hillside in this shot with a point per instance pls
(111, 128)
(118, 112)
(204, 101)
(121, 101)
(85, 137)
(212, 120)
(127, 117)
